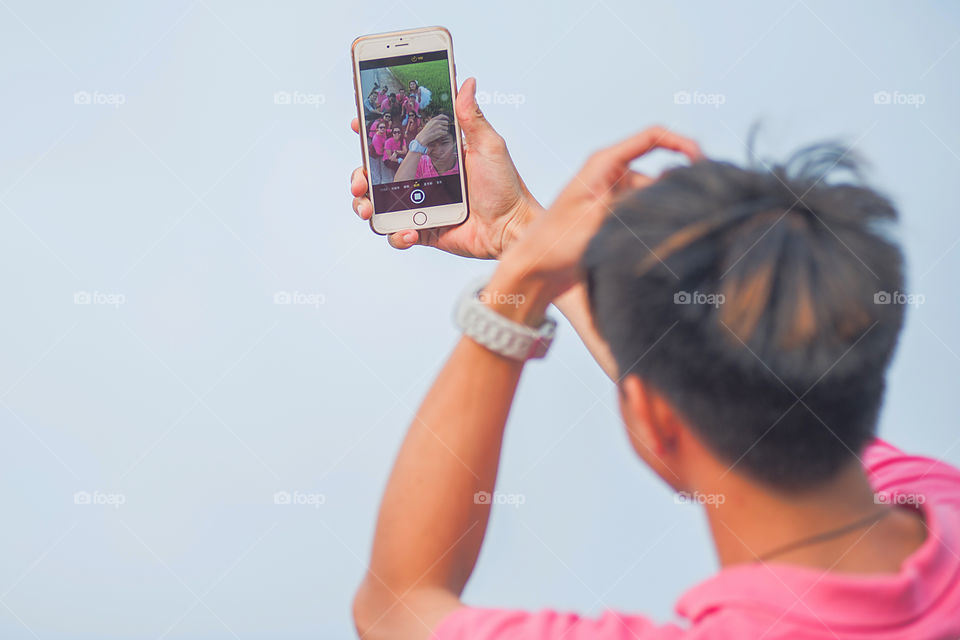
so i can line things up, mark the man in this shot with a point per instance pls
(393, 150)
(735, 310)
(378, 141)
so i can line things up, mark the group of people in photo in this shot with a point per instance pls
(399, 120)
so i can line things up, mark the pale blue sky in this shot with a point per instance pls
(182, 212)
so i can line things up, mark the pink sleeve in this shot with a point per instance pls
(468, 623)
(425, 168)
(893, 471)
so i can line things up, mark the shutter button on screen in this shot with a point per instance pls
(419, 218)
(417, 196)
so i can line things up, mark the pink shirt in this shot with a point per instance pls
(425, 168)
(393, 144)
(781, 601)
(378, 141)
(373, 127)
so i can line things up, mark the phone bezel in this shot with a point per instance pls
(384, 45)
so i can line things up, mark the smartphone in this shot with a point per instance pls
(405, 84)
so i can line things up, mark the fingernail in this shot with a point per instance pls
(410, 236)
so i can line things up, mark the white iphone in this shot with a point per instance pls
(405, 83)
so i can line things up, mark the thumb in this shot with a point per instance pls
(478, 131)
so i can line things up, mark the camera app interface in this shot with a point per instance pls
(408, 120)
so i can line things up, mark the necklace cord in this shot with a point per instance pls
(823, 537)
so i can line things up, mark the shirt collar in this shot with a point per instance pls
(837, 599)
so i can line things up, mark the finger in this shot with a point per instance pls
(648, 140)
(355, 125)
(403, 239)
(363, 208)
(358, 182)
(472, 122)
(633, 180)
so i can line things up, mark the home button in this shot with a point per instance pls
(419, 218)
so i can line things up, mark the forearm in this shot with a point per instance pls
(408, 168)
(430, 527)
(575, 306)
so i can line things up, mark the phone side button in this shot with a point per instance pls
(419, 218)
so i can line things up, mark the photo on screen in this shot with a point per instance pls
(407, 99)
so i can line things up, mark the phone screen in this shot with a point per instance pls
(407, 98)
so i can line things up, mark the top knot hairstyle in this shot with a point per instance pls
(752, 299)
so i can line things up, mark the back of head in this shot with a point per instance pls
(751, 299)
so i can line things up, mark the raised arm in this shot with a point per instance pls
(501, 208)
(431, 524)
(575, 307)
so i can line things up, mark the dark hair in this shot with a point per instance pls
(450, 130)
(752, 300)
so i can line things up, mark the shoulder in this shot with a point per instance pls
(505, 624)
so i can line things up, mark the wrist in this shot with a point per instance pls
(518, 296)
(527, 210)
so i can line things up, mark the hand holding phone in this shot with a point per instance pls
(407, 83)
(500, 204)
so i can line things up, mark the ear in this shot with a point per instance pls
(654, 428)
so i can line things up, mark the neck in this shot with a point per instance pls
(445, 164)
(753, 521)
